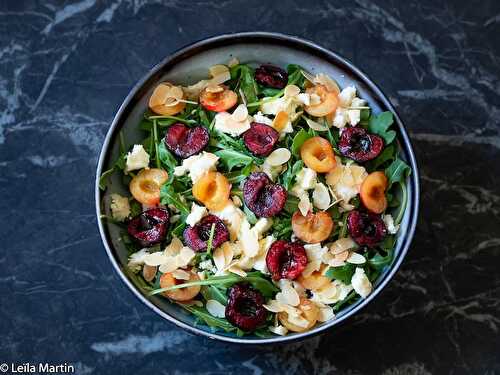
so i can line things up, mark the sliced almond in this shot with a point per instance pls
(308, 76)
(179, 274)
(321, 196)
(149, 272)
(215, 308)
(274, 306)
(278, 157)
(215, 70)
(315, 125)
(240, 114)
(342, 245)
(355, 258)
(292, 90)
(342, 256)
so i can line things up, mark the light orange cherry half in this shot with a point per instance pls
(372, 192)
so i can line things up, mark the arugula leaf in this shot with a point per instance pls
(291, 173)
(256, 279)
(379, 261)
(379, 124)
(299, 140)
(291, 204)
(252, 219)
(282, 227)
(342, 273)
(212, 292)
(244, 75)
(389, 153)
(232, 158)
(397, 171)
(103, 180)
(135, 208)
(169, 196)
(208, 319)
(166, 157)
(295, 76)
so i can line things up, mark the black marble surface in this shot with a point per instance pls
(66, 66)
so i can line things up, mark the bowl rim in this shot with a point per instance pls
(258, 37)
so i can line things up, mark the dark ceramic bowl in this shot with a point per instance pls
(189, 65)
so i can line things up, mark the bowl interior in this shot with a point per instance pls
(187, 67)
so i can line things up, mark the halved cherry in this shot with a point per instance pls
(165, 99)
(312, 228)
(317, 154)
(184, 141)
(212, 189)
(372, 192)
(218, 98)
(149, 227)
(328, 101)
(145, 186)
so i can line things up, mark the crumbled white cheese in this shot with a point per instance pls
(389, 223)
(346, 96)
(306, 179)
(354, 116)
(196, 214)
(340, 118)
(138, 158)
(207, 265)
(261, 119)
(197, 165)
(249, 239)
(234, 124)
(272, 107)
(357, 102)
(232, 217)
(120, 207)
(360, 283)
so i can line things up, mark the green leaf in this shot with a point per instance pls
(256, 279)
(299, 140)
(244, 75)
(169, 196)
(135, 208)
(232, 158)
(103, 180)
(379, 124)
(291, 204)
(252, 219)
(212, 292)
(166, 157)
(388, 154)
(291, 173)
(208, 319)
(295, 76)
(282, 227)
(342, 273)
(379, 261)
(397, 171)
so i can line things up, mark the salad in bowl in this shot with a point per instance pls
(263, 200)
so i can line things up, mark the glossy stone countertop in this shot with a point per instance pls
(65, 68)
